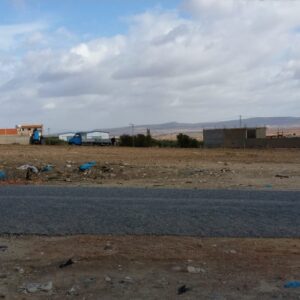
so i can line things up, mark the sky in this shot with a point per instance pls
(87, 64)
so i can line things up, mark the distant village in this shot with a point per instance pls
(241, 137)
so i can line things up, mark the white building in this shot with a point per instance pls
(66, 136)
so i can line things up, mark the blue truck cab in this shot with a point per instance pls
(36, 138)
(76, 139)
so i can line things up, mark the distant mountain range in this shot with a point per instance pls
(174, 127)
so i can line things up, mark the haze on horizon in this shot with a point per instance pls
(102, 64)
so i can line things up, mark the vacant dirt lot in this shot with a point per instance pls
(188, 168)
(147, 268)
(150, 267)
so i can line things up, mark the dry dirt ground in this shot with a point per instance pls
(148, 268)
(137, 267)
(154, 167)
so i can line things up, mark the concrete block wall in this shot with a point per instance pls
(213, 138)
(274, 143)
(13, 139)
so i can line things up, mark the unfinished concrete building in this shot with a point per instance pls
(18, 135)
(232, 137)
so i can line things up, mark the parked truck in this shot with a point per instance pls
(91, 138)
(37, 137)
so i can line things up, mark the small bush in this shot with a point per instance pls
(165, 143)
(125, 140)
(53, 141)
(184, 141)
(139, 140)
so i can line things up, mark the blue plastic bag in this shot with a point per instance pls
(292, 284)
(47, 168)
(2, 175)
(87, 166)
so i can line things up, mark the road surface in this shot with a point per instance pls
(118, 211)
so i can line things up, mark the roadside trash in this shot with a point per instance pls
(47, 168)
(87, 166)
(73, 291)
(30, 170)
(176, 269)
(281, 176)
(183, 289)
(36, 287)
(33, 169)
(3, 248)
(269, 186)
(67, 263)
(127, 279)
(19, 270)
(108, 246)
(2, 175)
(292, 284)
(195, 270)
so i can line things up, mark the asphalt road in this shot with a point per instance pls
(213, 213)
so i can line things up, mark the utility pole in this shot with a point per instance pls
(132, 133)
(240, 121)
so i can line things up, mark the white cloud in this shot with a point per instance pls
(12, 36)
(229, 58)
(50, 105)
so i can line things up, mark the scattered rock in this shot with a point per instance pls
(20, 270)
(231, 251)
(195, 270)
(73, 291)
(107, 279)
(46, 287)
(127, 279)
(266, 287)
(177, 269)
(36, 287)
(89, 281)
(32, 287)
(108, 247)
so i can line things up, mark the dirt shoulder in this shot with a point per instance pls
(146, 267)
(181, 168)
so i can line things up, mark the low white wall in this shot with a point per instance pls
(12, 139)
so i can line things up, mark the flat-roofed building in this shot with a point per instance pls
(232, 137)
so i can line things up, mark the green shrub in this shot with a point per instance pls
(165, 143)
(184, 141)
(53, 141)
(125, 140)
(139, 140)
